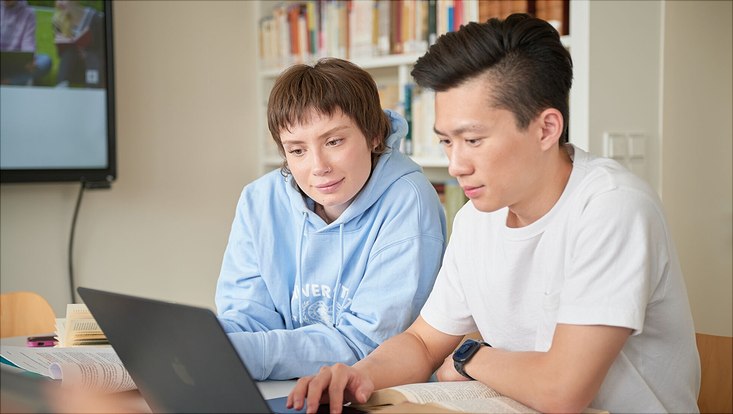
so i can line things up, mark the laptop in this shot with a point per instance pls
(23, 392)
(14, 63)
(179, 356)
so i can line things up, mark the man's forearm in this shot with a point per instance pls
(564, 379)
(400, 360)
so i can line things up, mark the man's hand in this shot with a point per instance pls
(341, 382)
(447, 371)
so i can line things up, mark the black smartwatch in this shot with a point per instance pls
(464, 353)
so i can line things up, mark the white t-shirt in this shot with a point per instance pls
(601, 256)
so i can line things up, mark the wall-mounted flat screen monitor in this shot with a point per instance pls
(57, 117)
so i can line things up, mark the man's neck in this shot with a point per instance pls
(545, 194)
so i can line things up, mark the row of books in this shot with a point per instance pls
(418, 108)
(302, 31)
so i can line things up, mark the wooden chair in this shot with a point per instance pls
(25, 313)
(716, 361)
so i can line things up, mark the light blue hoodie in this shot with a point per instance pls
(284, 266)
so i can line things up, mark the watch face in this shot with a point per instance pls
(466, 350)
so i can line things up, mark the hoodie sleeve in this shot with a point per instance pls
(400, 273)
(243, 300)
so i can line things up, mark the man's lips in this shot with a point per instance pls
(472, 191)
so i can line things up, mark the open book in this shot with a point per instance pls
(79, 328)
(96, 368)
(445, 397)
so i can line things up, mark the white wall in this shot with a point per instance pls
(185, 116)
(697, 153)
(625, 71)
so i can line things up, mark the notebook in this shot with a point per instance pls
(178, 355)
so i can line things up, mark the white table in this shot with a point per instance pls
(269, 389)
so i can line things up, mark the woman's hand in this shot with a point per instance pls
(333, 385)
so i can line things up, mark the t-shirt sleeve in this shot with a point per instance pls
(446, 309)
(618, 259)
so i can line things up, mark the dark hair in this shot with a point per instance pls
(328, 86)
(523, 58)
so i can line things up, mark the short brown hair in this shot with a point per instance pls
(329, 86)
(529, 68)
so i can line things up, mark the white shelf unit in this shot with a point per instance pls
(396, 68)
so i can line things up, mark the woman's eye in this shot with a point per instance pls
(334, 142)
(444, 141)
(296, 151)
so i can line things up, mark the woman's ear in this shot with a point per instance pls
(552, 124)
(375, 143)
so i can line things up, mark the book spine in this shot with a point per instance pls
(312, 25)
(449, 15)
(407, 147)
(432, 16)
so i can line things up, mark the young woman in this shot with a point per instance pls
(338, 250)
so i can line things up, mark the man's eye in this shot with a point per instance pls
(474, 141)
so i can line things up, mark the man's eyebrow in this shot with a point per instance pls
(460, 130)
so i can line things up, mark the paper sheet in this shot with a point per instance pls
(96, 368)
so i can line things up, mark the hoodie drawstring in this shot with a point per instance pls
(338, 278)
(298, 266)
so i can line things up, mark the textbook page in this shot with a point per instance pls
(428, 392)
(499, 405)
(95, 368)
(442, 397)
(79, 328)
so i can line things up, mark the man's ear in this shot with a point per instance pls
(552, 124)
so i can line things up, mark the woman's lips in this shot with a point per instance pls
(329, 187)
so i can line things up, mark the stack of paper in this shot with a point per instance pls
(79, 328)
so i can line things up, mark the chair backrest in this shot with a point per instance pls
(25, 313)
(716, 362)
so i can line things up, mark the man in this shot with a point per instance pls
(18, 34)
(561, 260)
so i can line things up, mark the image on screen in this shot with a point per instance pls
(56, 92)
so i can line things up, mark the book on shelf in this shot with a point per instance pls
(79, 328)
(303, 31)
(555, 12)
(361, 29)
(445, 397)
(452, 198)
(407, 112)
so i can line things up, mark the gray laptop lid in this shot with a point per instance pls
(179, 356)
(24, 392)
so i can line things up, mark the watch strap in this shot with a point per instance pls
(460, 365)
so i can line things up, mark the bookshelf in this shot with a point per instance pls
(289, 33)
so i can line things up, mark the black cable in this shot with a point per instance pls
(71, 242)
